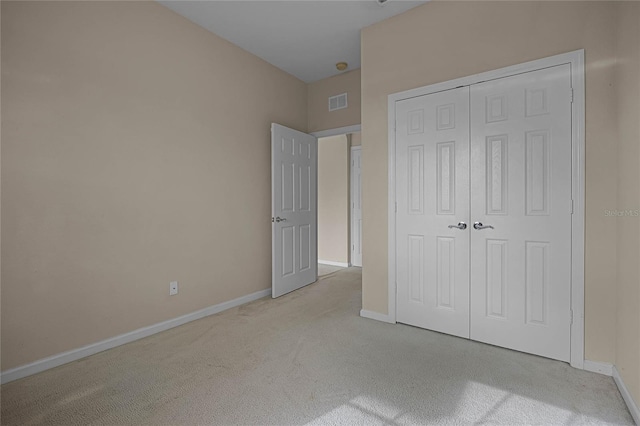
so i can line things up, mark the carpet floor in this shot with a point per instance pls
(308, 358)
(327, 269)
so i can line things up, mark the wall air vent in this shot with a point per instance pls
(338, 102)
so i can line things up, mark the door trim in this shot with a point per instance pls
(351, 206)
(576, 60)
(337, 131)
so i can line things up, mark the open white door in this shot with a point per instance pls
(294, 213)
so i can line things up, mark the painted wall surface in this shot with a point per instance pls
(628, 110)
(320, 118)
(356, 139)
(135, 151)
(487, 36)
(333, 199)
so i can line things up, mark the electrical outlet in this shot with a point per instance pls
(173, 288)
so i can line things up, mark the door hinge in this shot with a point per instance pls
(571, 316)
(571, 206)
(396, 207)
(571, 95)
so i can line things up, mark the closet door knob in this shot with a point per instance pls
(460, 225)
(479, 225)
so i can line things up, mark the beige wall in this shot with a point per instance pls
(356, 139)
(119, 147)
(333, 199)
(441, 41)
(318, 97)
(628, 110)
(135, 151)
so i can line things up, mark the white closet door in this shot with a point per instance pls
(521, 187)
(432, 194)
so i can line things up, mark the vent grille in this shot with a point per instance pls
(338, 102)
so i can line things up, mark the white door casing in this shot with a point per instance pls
(576, 61)
(526, 166)
(432, 195)
(356, 206)
(294, 166)
(521, 186)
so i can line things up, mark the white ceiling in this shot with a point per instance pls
(304, 38)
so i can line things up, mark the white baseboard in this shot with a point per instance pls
(626, 395)
(599, 367)
(375, 316)
(94, 348)
(332, 263)
(611, 371)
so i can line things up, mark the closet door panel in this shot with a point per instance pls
(521, 188)
(432, 192)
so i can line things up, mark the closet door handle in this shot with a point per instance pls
(479, 225)
(460, 225)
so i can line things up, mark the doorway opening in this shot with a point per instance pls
(294, 204)
(339, 203)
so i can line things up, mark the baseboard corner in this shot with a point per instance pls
(332, 263)
(599, 367)
(375, 316)
(626, 395)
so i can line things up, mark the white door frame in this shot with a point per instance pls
(351, 206)
(576, 60)
(337, 131)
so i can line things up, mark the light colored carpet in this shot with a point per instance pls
(327, 269)
(308, 358)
